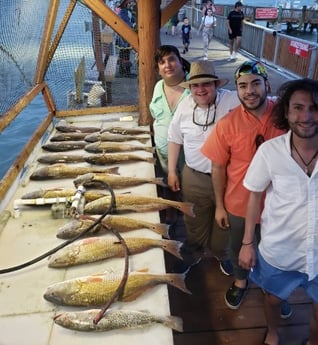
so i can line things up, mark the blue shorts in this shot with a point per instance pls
(282, 283)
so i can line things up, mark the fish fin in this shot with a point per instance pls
(113, 170)
(173, 247)
(159, 181)
(174, 322)
(151, 160)
(161, 229)
(177, 280)
(186, 208)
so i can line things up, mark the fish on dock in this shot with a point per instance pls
(63, 126)
(116, 222)
(69, 136)
(126, 131)
(108, 146)
(61, 146)
(94, 249)
(109, 158)
(108, 136)
(137, 203)
(115, 181)
(61, 170)
(83, 321)
(54, 158)
(97, 290)
(90, 195)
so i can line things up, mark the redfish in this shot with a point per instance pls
(114, 319)
(109, 158)
(59, 171)
(99, 248)
(97, 290)
(108, 146)
(107, 136)
(137, 203)
(119, 223)
(61, 146)
(115, 181)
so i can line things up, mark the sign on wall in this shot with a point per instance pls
(266, 13)
(299, 48)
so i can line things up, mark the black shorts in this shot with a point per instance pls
(235, 34)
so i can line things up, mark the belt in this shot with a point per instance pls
(200, 172)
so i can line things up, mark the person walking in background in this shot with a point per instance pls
(286, 169)
(231, 147)
(191, 124)
(235, 26)
(174, 23)
(207, 26)
(167, 94)
(209, 5)
(124, 47)
(186, 34)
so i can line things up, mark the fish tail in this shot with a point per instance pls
(174, 322)
(114, 171)
(150, 160)
(159, 181)
(187, 208)
(173, 247)
(142, 140)
(177, 280)
(149, 149)
(161, 229)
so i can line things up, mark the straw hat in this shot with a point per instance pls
(203, 72)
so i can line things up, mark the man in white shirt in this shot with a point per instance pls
(286, 168)
(193, 121)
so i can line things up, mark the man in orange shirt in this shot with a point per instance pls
(231, 147)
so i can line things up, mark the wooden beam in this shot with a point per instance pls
(97, 111)
(171, 9)
(46, 39)
(23, 102)
(149, 38)
(116, 23)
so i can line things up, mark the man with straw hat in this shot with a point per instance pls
(191, 124)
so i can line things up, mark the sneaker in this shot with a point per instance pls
(226, 267)
(234, 55)
(234, 296)
(184, 51)
(286, 310)
(187, 49)
(231, 58)
(205, 58)
(183, 267)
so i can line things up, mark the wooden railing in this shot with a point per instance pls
(293, 55)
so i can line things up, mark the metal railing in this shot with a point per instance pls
(293, 55)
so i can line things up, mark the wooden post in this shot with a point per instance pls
(149, 38)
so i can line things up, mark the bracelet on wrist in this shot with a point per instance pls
(247, 244)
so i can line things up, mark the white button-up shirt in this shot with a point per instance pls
(184, 131)
(289, 223)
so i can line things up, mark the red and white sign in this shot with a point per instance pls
(266, 13)
(299, 48)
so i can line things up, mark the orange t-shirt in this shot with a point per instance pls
(232, 143)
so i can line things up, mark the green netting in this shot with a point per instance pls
(20, 38)
(76, 51)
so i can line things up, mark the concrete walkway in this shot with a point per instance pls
(219, 53)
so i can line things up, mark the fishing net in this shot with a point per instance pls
(89, 67)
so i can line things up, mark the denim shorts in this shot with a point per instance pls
(282, 283)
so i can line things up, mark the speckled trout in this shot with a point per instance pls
(125, 131)
(115, 181)
(93, 249)
(97, 290)
(53, 158)
(108, 136)
(119, 223)
(137, 203)
(62, 193)
(108, 146)
(61, 146)
(66, 136)
(114, 319)
(109, 158)
(59, 171)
